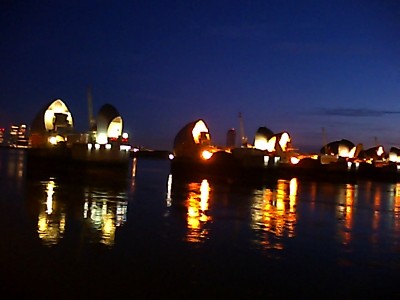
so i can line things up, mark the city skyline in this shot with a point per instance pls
(301, 67)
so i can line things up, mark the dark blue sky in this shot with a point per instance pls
(293, 66)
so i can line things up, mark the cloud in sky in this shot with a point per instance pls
(356, 112)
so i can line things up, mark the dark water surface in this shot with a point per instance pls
(146, 235)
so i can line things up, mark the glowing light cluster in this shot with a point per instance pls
(263, 144)
(393, 157)
(55, 139)
(346, 152)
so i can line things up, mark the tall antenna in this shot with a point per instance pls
(90, 109)
(242, 135)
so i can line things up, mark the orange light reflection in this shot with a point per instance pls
(274, 211)
(51, 218)
(105, 212)
(346, 212)
(197, 204)
(396, 208)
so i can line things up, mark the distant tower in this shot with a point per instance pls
(242, 135)
(231, 138)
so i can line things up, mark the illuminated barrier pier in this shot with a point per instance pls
(272, 155)
(56, 145)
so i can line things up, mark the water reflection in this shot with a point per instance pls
(273, 214)
(100, 210)
(346, 211)
(133, 173)
(396, 207)
(169, 191)
(371, 210)
(197, 211)
(16, 163)
(51, 219)
(105, 212)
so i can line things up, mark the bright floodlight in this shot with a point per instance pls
(206, 154)
(102, 138)
(294, 160)
(53, 140)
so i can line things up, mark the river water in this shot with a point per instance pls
(146, 235)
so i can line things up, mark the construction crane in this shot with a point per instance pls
(92, 122)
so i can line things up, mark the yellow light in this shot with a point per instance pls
(263, 144)
(57, 107)
(343, 151)
(294, 160)
(102, 138)
(115, 128)
(124, 147)
(53, 140)
(284, 140)
(206, 154)
(393, 157)
(379, 151)
(198, 129)
(270, 146)
(352, 152)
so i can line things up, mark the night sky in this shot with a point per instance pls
(296, 66)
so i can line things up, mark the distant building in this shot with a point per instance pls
(2, 132)
(18, 136)
(231, 138)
